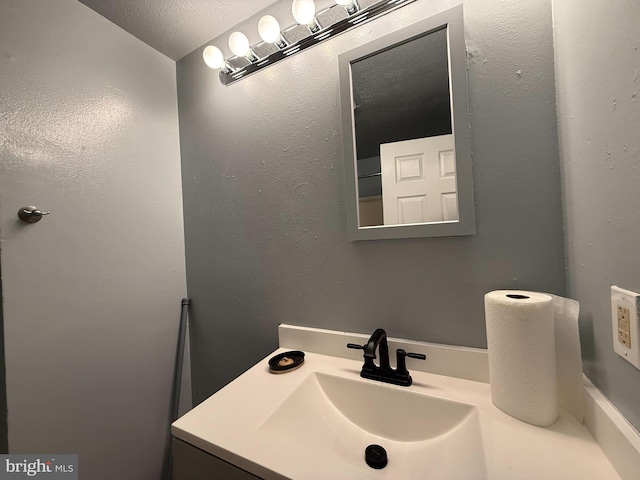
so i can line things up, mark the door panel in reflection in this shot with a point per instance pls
(419, 181)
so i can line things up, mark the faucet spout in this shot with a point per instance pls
(377, 341)
(378, 338)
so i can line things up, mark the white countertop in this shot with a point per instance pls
(227, 426)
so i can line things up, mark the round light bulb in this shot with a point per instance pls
(213, 57)
(304, 11)
(239, 44)
(269, 29)
(349, 5)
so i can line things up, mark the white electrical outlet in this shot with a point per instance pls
(624, 317)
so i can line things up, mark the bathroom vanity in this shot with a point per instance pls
(315, 423)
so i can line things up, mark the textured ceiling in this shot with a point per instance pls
(402, 93)
(176, 27)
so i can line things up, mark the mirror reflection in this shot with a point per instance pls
(406, 168)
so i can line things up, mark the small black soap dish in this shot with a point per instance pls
(286, 362)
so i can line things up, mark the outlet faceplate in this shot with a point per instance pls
(624, 316)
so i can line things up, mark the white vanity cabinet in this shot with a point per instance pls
(191, 463)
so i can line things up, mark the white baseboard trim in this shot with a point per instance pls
(615, 435)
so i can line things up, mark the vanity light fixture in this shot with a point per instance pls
(304, 12)
(269, 30)
(350, 5)
(239, 45)
(214, 59)
(278, 44)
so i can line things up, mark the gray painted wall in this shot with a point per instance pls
(4, 430)
(598, 76)
(91, 294)
(264, 199)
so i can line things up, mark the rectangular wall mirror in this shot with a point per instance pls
(406, 134)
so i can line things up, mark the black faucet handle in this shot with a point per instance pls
(355, 346)
(401, 364)
(418, 356)
(402, 354)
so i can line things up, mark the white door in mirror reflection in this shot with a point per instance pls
(419, 181)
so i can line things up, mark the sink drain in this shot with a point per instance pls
(375, 456)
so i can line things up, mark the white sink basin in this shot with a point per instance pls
(424, 436)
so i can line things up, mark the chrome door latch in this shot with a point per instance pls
(31, 214)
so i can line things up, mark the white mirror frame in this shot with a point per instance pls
(452, 20)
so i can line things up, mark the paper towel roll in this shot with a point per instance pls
(522, 357)
(568, 355)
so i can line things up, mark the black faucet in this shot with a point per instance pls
(383, 372)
